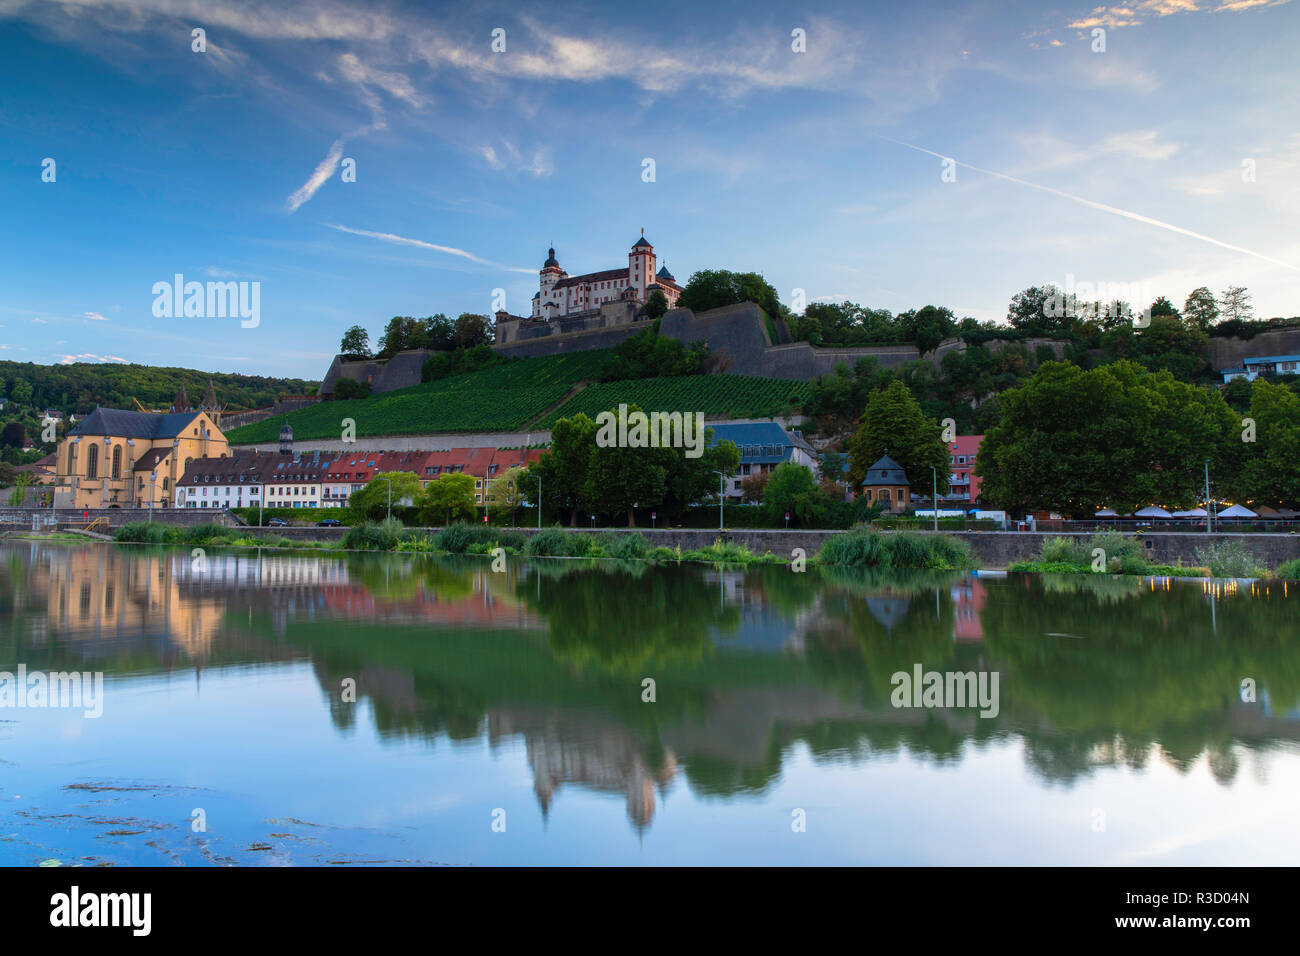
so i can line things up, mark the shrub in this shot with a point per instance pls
(1291, 569)
(1063, 550)
(628, 546)
(374, 535)
(950, 553)
(1115, 545)
(1229, 559)
(549, 542)
(858, 548)
(908, 550)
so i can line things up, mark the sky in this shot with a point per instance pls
(894, 154)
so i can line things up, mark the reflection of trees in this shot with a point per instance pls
(1140, 668)
(619, 621)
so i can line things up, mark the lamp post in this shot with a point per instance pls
(1209, 506)
(153, 487)
(539, 502)
(722, 488)
(934, 496)
(390, 495)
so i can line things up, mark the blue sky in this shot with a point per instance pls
(1122, 166)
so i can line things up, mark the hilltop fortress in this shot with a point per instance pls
(599, 310)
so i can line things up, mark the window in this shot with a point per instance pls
(117, 461)
(92, 462)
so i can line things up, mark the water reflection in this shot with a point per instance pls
(1095, 672)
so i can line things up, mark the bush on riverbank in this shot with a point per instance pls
(1230, 559)
(144, 532)
(865, 548)
(374, 535)
(1289, 569)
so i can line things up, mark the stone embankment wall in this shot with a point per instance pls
(994, 550)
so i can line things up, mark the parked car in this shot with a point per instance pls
(328, 523)
(277, 523)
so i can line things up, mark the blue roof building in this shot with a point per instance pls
(763, 446)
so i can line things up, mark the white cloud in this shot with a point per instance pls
(95, 316)
(1144, 144)
(91, 357)
(317, 179)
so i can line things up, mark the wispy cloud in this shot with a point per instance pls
(91, 357)
(512, 159)
(95, 316)
(421, 244)
(1130, 14)
(317, 179)
(1103, 207)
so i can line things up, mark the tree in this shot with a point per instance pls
(563, 469)
(831, 467)
(894, 424)
(355, 343)
(18, 497)
(1043, 309)
(714, 288)
(751, 487)
(505, 491)
(619, 479)
(926, 328)
(21, 392)
(439, 333)
(1119, 435)
(689, 480)
(1163, 307)
(793, 489)
(1271, 470)
(449, 498)
(346, 388)
(1201, 311)
(372, 501)
(1235, 303)
(472, 330)
(398, 335)
(14, 435)
(656, 305)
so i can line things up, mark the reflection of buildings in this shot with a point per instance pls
(967, 605)
(570, 748)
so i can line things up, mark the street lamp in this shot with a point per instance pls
(539, 502)
(153, 487)
(1209, 505)
(934, 496)
(390, 496)
(722, 488)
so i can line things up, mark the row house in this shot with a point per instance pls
(963, 483)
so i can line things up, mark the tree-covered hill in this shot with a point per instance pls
(80, 387)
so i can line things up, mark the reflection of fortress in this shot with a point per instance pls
(564, 747)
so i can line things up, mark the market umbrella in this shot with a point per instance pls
(1236, 511)
(1192, 513)
(1152, 511)
(1107, 513)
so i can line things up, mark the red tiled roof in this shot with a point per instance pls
(606, 276)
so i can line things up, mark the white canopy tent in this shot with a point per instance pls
(1236, 511)
(1107, 513)
(1152, 511)
(1192, 513)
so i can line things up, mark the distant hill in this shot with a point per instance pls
(80, 387)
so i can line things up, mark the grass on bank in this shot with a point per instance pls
(1110, 552)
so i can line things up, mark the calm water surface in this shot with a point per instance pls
(1121, 737)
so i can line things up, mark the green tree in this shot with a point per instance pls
(505, 492)
(620, 479)
(473, 330)
(563, 469)
(689, 480)
(18, 497)
(398, 335)
(1074, 441)
(1235, 305)
(1271, 470)
(355, 343)
(1201, 311)
(372, 502)
(831, 467)
(793, 488)
(894, 424)
(14, 435)
(449, 498)
(714, 288)
(656, 304)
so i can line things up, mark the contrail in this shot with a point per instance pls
(1136, 217)
(421, 244)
